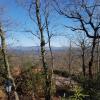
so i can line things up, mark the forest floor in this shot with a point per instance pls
(64, 86)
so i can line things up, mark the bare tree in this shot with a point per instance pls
(85, 15)
(49, 42)
(42, 41)
(4, 23)
(39, 14)
(70, 57)
(84, 44)
(98, 56)
(3, 45)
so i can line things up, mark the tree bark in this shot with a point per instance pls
(3, 44)
(92, 59)
(83, 65)
(70, 56)
(98, 57)
(83, 57)
(51, 54)
(42, 42)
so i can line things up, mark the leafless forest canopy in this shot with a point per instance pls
(50, 69)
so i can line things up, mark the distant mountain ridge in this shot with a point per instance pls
(32, 49)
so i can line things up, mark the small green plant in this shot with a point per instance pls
(78, 95)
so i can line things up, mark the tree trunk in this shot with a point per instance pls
(98, 57)
(3, 44)
(51, 54)
(83, 62)
(42, 42)
(92, 59)
(70, 56)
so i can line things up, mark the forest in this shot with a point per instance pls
(49, 50)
